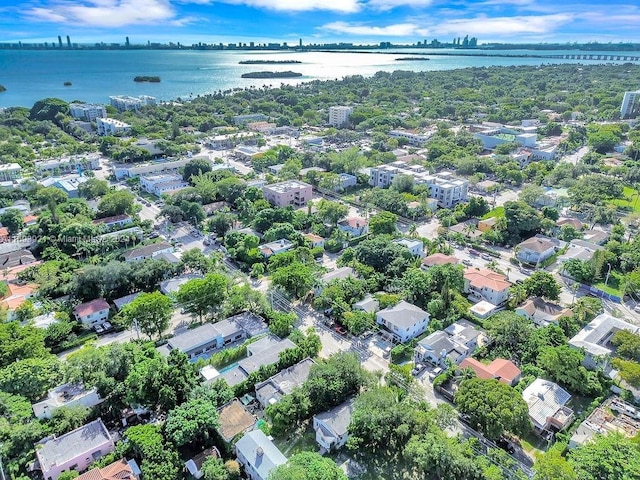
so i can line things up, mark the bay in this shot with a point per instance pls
(30, 75)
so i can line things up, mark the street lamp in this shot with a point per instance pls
(606, 280)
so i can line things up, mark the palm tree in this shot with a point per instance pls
(413, 230)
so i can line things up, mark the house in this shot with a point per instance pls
(274, 388)
(547, 406)
(290, 192)
(194, 465)
(4, 234)
(258, 455)
(579, 250)
(30, 220)
(121, 302)
(535, 250)
(234, 420)
(147, 251)
(75, 450)
(340, 273)
(16, 295)
(405, 321)
(95, 311)
(416, 247)
(15, 257)
(67, 395)
(118, 470)
(487, 224)
(172, 285)
(438, 259)
(484, 309)
(455, 343)
(595, 338)
(468, 228)
(347, 180)
(574, 222)
(115, 221)
(163, 183)
(599, 237)
(332, 426)
(504, 370)
(368, 304)
(273, 248)
(316, 240)
(541, 312)
(486, 284)
(355, 226)
(203, 340)
(614, 415)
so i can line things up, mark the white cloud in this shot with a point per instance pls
(395, 30)
(340, 6)
(483, 25)
(105, 13)
(390, 4)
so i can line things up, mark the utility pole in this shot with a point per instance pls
(1, 466)
(606, 280)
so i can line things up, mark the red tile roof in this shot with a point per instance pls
(485, 278)
(504, 370)
(119, 470)
(93, 306)
(439, 259)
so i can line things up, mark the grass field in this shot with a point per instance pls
(630, 201)
(613, 286)
(496, 212)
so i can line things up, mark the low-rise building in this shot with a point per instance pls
(413, 137)
(332, 426)
(147, 251)
(119, 470)
(486, 284)
(156, 168)
(614, 415)
(125, 102)
(229, 141)
(258, 455)
(75, 450)
(273, 248)
(316, 240)
(438, 259)
(347, 181)
(111, 126)
(355, 226)
(290, 192)
(10, 171)
(416, 247)
(274, 388)
(72, 164)
(541, 312)
(234, 420)
(455, 343)
(579, 250)
(172, 285)
(248, 118)
(404, 321)
(547, 406)
(595, 338)
(369, 304)
(67, 395)
(121, 302)
(487, 224)
(340, 273)
(95, 311)
(194, 464)
(160, 184)
(504, 370)
(114, 222)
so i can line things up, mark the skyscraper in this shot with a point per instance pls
(59, 41)
(68, 42)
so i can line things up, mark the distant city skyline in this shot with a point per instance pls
(318, 21)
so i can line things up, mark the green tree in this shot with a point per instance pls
(221, 222)
(551, 465)
(627, 344)
(308, 466)
(612, 456)
(158, 459)
(48, 108)
(117, 202)
(12, 219)
(150, 312)
(201, 296)
(332, 212)
(31, 377)
(296, 278)
(522, 220)
(564, 365)
(214, 468)
(93, 188)
(383, 223)
(510, 333)
(493, 407)
(196, 166)
(193, 422)
(20, 342)
(542, 284)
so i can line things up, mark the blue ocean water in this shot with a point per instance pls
(30, 75)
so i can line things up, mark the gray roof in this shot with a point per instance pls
(285, 381)
(251, 323)
(194, 338)
(338, 418)
(260, 452)
(122, 301)
(595, 336)
(463, 330)
(146, 250)
(173, 284)
(264, 343)
(404, 314)
(339, 273)
(544, 398)
(265, 357)
(58, 451)
(234, 376)
(440, 341)
(367, 304)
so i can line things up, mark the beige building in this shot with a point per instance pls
(291, 192)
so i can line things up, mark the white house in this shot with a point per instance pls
(536, 249)
(340, 273)
(347, 180)
(405, 321)
(541, 312)
(95, 311)
(486, 284)
(10, 171)
(416, 247)
(67, 395)
(159, 184)
(331, 427)
(274, 388)
(546, 401)
(147, 251)
(356, 226)
(273, 248)
(258, 455)
(111, 126)
(455, 343)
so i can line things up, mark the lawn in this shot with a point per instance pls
(630, 200)
(614, 285)
(303, 440)
(497, 212)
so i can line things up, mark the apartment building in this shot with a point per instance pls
(251, 117)
(630, 107)
(111, 126)
(87, 111)
(230, 140)
(159, 184)
(291, 192)
(339, 116)
(417, 139)
(125, 102)
(10, 171)
(90, 161)
(156, 168)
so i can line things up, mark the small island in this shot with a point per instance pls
(67, 84)
(146, 78)
(411, 59)
(287, 74)
(267, 62)
(3, 88)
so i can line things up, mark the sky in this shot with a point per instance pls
(318, 21)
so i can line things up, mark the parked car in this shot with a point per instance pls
(467, 262)
(107, 326)
(387, 352)
(417, 369)
(506, 445)
(486, 256)
(98, 329)
(434, 373)
(340, 330)
(473, 252)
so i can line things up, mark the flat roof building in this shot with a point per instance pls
(290, 192)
